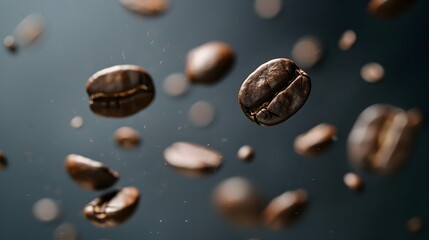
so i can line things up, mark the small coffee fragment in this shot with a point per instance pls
(90, 174)
(3, 161)
(146, 7)
(10, 43)
(65, 231)
(388, 9)
(76, 122)
(209, 63)
(347, 40)
(284, 210)
(274, 92)
(381, 139)
(127, 137)
(120, 91)
(238, 201)
(267, 9)
(372, 72)
(307, 51)
(176, 85)
(353, 181)
(415, 224)
(192, 159)
(113, 208)
(245, 153)
(201, 114)
(46, 210)
(316, 140)
(30, 29)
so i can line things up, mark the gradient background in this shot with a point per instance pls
(43, 87)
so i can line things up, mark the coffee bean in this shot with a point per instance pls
(65, 231)
(113, 208)
(238, 201)
(127, 137)
(120, 91)
(90, 174)
(415, 224)
(76, 122)
(267, 9)
(372, 72)
(46, 210)
(347, 40)
(387, 9)
(201, 114)
(245, 153)
(285, 209)
(3, 161)
(274, 92)
(192, 159)
(316, 140)
(353, 181)
(176, 85)
(307, 51)
(30, 29)
(10, 43)
(208, 63)
(381, 138)
(146, 7)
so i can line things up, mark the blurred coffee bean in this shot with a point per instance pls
(65, 231)
(285, 209)
(267, 9)
(176, 85)
(274, 92)
(315, 140)
(238, 201)
(415, 224)
(209, 63)
(30, 29)
(245, 153)
(113, 208)
(372, 72)
(76, 122)
(201, 114)
(127, 137)
(382, 137)
(90, 174)
(192, 159)
(347, 40)
(146, 7)
(388, 9)
(3, 161)
(10, 43)
(353, 181)
(307, 51)
(46, 210)
(120, 91)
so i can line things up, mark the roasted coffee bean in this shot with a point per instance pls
(245, 153)
(201, 114)
(372, 72)
(120, 91)
(285, 209)
(127, 137)
(238, 201)
(65, 231)
(76, 122)
(46, 210)
(113, 208)
(307, 51)
(381, 138)
(267, 9)
(415, 224)
(30, 29)
(316, 140)
(192, 159)
(176, 85)
(146, 7)
(387, 9)
(3, 161)
(347, 40)
(90, 174)
(274, 92)
(353, 181)
(208, 63)
(10, 43)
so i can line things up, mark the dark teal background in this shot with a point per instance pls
(43, 87)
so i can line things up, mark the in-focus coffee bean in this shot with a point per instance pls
(113, 208)
(10, 43)
(192, 159)
(90, 174)
(146, 7)
(415, 224)
(46, 210)
(285, 209)
(120, 91)
(127, 137)
(274, 92)
(353, 181)
(315, 140)
(245, 153)
(347, 40)
(3, 161)
(388, 9)
(382, 137)
(307, 51)
(209, 63)
(238, 201)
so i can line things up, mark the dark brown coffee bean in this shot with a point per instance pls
(353, 181)
(415, 224)
(3, 161)
(90, 174)
(245, 153)
(146, 7)
(316, 140)
(381, 139)
(238, 201)
(192, 159)
(274, 92)
(113, 208)
(127, 137)
(387, 9)
(10, 43)
(285, 209)
(208, 63)
(120, 91)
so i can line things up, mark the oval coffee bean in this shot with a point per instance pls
(120, 91)
(113, 208)
(208, 63)
(90, 174)
(285, 209)
(274, 92)
(146, 7)
(192, 159)
(127, 137)
(387, 9)
(316, 140)
(381, 138)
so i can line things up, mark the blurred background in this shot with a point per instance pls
(42, 87)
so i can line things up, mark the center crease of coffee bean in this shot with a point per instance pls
(120, 94)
